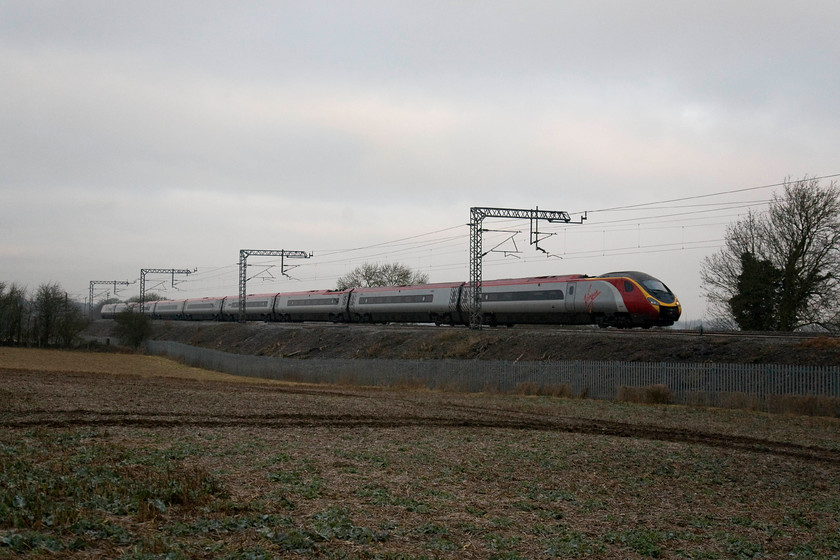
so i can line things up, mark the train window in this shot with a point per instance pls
(628, 286)
(523, 296)
(372, 300)
(312, 301)
(572, 290)
(659, 290)
(656, 286)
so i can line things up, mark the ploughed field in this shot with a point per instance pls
(129, 456)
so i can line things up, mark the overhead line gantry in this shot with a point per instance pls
(97, 282)
(145, 271)
(243, 267)
(477, 216)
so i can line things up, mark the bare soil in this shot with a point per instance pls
(279, 470)
(310, 341)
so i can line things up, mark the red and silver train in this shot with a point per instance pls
(618, 299)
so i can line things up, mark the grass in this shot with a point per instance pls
(135, 365)
(168, 464)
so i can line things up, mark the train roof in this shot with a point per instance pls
(438, 285)
(634, 274)
(532, 280)
(315, 293)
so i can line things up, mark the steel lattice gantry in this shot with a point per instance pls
(243, 267)
(145, 271)
(477, 216)
(95, 282)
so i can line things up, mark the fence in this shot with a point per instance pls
(692, 383)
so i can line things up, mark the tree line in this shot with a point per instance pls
(779, 270)
(48, 319)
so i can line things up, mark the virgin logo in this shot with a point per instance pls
(589, 298)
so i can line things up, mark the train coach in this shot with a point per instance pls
(258, 307)
(315, 305)
(424, 303)
(619, 299)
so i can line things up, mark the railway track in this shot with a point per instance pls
(555, 329)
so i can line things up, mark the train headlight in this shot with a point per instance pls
(653, 302)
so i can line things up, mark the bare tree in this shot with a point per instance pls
(71, 321)
(720, 272)
(47, 307)
(13, 314)
(56, 320)
(150, 296)
(798, 236)
(392, 274)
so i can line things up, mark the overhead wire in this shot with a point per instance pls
(394, 241)
(709, 195)
(425, 245)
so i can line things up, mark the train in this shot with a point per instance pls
(618, 299)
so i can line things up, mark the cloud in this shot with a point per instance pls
(160, 134)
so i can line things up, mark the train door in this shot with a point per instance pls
(571, 296)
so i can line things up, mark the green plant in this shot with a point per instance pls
(30, 541)
(49, 491)
(645, 542)
(132, 328)
(335, 523)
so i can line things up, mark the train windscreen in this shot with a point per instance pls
(658, 290)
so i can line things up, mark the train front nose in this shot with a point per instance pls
(670, 313)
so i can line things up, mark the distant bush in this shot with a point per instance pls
(563, 390)
(804, 405)
(407, 383)
(652, 394)
(133, 329)
(739, 400)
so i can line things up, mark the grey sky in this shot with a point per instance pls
(173, 134)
